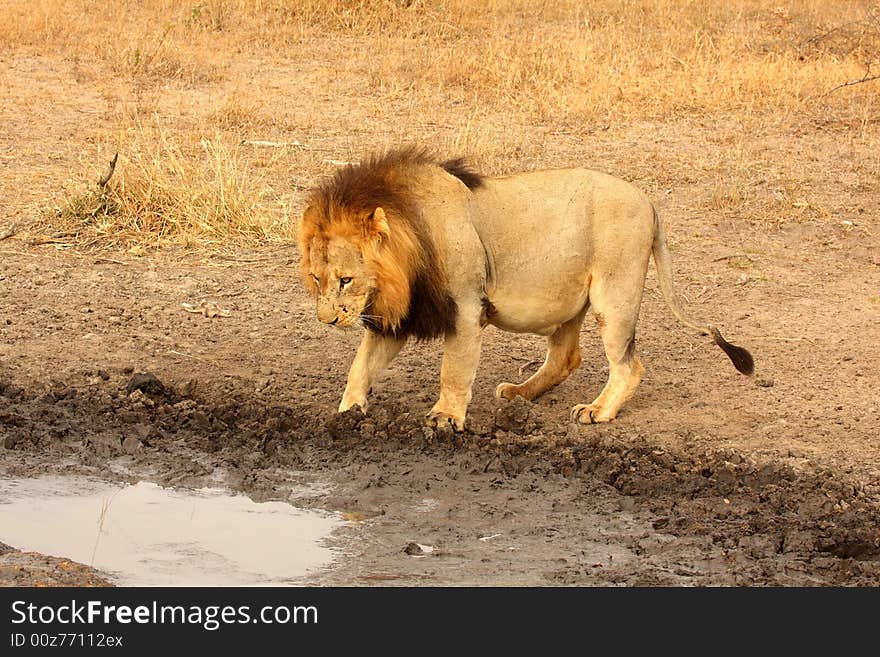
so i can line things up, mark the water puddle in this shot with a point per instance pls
(146, 535)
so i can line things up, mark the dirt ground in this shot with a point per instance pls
(705, 478)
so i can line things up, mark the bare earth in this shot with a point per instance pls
(705, 478)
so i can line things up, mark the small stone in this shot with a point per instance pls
(764, 383)
(140, 399)
(145, 382)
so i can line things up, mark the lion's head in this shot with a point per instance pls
(339, 265)
(367, 256)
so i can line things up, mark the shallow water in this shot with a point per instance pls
(144, 535)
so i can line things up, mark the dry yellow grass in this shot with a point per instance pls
(496, 73)
(160, 194)
(584, 61)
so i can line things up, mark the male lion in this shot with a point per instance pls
(408, 246)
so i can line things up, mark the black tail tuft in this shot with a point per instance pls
(742, 359)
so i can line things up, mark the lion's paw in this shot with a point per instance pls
(347, 404)
(506, 390)
(441, 420)
(590, 414)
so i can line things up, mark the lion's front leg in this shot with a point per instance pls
(374, 355)
(461, 355)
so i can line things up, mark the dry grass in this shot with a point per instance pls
(491, 80)
(161, 194)
(617, 59)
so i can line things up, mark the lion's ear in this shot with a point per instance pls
(376, 225)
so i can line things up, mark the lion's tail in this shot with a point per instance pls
(742, 359)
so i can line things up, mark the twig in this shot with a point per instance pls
(233, 258)
(782, 338)
(103, 180)
(734, 255)
(55, 238)
(109, 261)
(272, 144)
(234, 294)
(9, 232)
(867, 77)
(102, 516)
(529, 364)
(199, 358)
(40, 241)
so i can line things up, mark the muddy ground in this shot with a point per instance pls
(706, 477)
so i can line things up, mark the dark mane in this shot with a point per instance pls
(383, 180)
(432, 314)
(459, 168)
(388, 181)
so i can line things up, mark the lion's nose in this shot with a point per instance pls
(327, 314)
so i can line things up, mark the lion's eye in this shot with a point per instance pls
(345, 280)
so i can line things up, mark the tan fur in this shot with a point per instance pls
(526, 253)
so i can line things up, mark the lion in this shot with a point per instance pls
(408, 246)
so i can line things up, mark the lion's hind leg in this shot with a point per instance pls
(563, 358)
(617, 324)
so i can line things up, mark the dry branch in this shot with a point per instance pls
(744, 256)
(782, 338)
(55, 238)
(867, 77)
(103, 180)
(529, 364)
